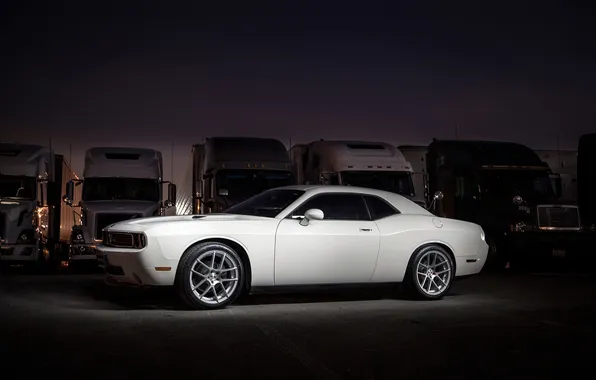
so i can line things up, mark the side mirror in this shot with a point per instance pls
(68, 198)
(557, 184)
(437, 196)
(171, 195)
(200, 188)
(312, 214)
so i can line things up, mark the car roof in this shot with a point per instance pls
(403, 204)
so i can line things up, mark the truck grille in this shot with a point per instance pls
(558, 217)
(104, 220)
(2, 225)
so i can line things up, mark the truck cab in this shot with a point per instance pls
(374, 165)
(229, 170)
(508, 190)
(34, 225)
(119, 183)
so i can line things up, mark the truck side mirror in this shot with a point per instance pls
(437, 197)
(200, 188)
(171, 195)
(557, 184)
(69, 196)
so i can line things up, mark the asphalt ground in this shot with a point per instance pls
(494, 325)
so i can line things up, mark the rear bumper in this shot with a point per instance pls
(471, 264)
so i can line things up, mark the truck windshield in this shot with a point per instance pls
(17, 187)
(395, 182)
(268, 204)
(532, 185)
(244, 183)
(130, 189)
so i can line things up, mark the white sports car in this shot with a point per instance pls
(295, 235)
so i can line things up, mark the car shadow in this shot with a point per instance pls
(134, 298)
(128, 298)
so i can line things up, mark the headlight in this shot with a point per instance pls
(482, 235)
(134, 240)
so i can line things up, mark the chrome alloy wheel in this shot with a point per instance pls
(433, 272)
(214, 276)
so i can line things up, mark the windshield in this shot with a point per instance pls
(529, 184)
(268, 204)
(395, 182)
(17, 187)
(130, 189)
(245, 183)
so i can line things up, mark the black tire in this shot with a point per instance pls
(185, 268)
(412, 279)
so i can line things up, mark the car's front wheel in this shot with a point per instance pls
(210, 276)
(430, 273)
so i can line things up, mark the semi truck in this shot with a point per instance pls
(374, 165)
(586, 180)
(507, 189)
(224, 171)
(564, 163)
(35, 225)
(119, 183)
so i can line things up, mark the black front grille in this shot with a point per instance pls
(558, 217)
(2, 225)
(104, 220)
(120, 239)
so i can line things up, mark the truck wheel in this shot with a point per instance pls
(430, 273)
(210, 276)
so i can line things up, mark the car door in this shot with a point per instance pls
(341, 248)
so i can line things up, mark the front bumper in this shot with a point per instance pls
(136, 267)
(82, 252)
(18, 252)
(556, 244)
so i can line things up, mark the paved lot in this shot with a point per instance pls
(492, 326)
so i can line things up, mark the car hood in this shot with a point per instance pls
(145, 223)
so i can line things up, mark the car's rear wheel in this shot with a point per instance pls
(210, 276)
(430, 273)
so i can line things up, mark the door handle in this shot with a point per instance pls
(366, 229)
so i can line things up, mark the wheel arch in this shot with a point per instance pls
(438, 243)
(236, 246)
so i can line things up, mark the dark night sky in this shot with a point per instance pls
(402, 72)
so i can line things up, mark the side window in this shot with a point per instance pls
(378, 208)
(337, 206)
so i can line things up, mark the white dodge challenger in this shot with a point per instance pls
(295, 235)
